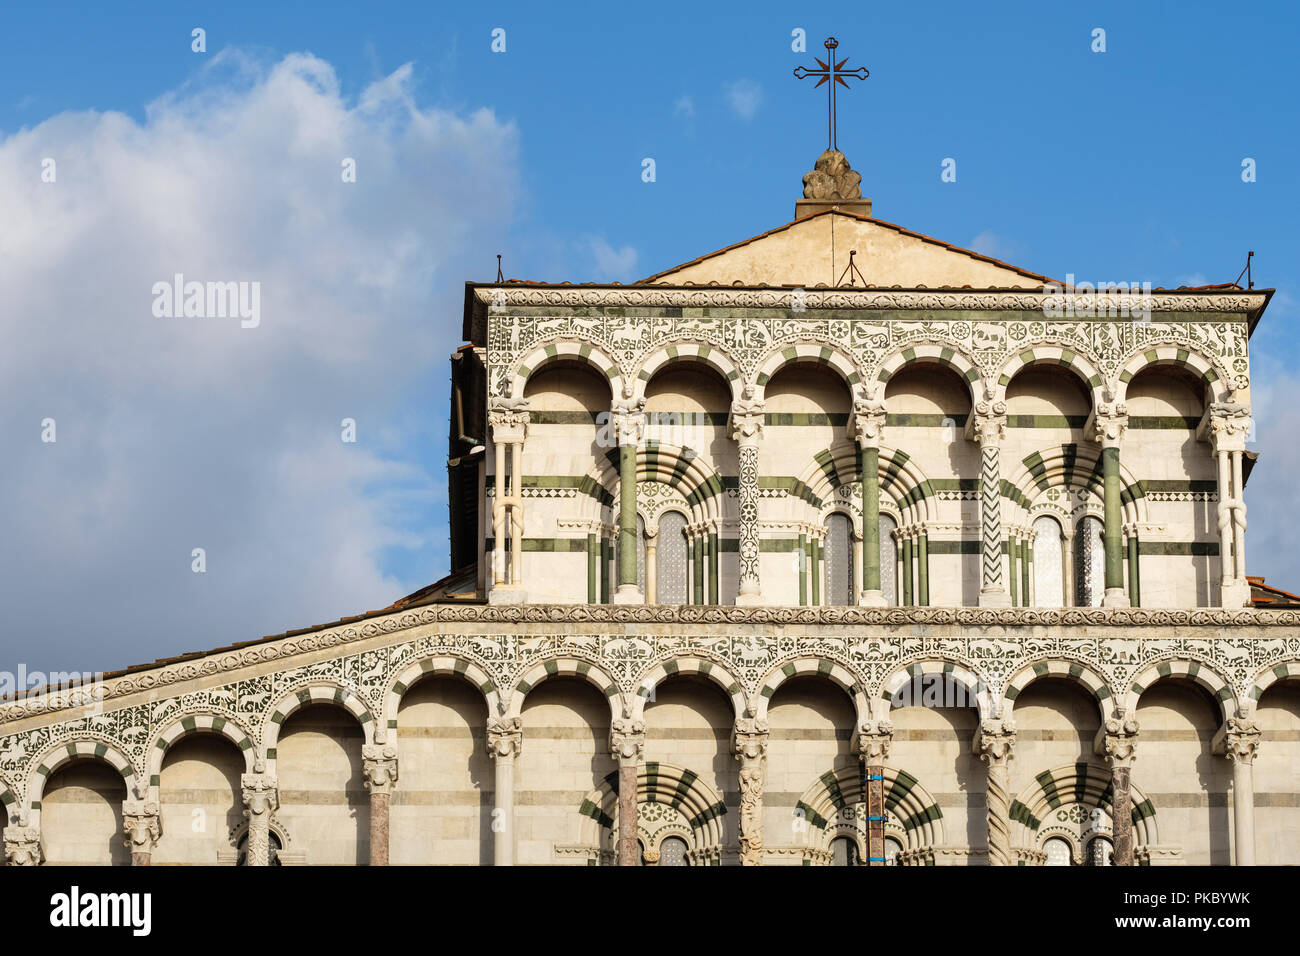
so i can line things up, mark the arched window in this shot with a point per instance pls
(888, 560)
(673, 569)
(672, 852)
(1089, 562)
(1058, 852)
(844, 852)
(1049, 569)
(839, 560)
(1100, 851)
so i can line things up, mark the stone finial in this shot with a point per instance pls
(831, 178)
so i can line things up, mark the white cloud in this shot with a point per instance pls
(989, 243)
(612, 265)
(178, 433)
(744, 96)
(685, 106)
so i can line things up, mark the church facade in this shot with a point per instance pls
(838, 546)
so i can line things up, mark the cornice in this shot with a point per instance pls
(507, 616)
(1021, 300)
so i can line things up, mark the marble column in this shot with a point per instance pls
(261, 799)
(141, 826)
(1242, 742)
(995, 742)
(988, 426)
(1121, 750)
(651, 565)
(629, 423)
(1109, 423)
(749, 741)
(508, 420)
(379, 771)
(874, 740)
(505, 740)
(1226, 425)
(746, 428)
(867, 426)
(627, 744)
(23, 846)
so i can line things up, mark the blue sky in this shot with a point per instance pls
(1115, 166)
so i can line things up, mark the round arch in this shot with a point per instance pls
(712, 670)
(443, 665)
(295, 700)
(913, 815)
(513, 700)
(190, 724)
(547, 354)
(1287, 670)
(1199, 673)
(56, 755)
(926, 672)
(1217, 386)
(932, 353)
(1054, 355)
(1072, 671)
(1086, 784)
(823, 667)
(811, 353)
(699, 810)
(711, 355)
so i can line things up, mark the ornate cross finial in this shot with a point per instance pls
(832, 73)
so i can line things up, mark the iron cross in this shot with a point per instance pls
(833, 73)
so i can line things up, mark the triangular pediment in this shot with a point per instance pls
(815, 251)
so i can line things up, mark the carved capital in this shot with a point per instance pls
(379, 766)
(1242, 739)
(627, 740)
(996, 740)
(141, 825)
(23, 846)
(1228, 425)
(989, 423)
(874, 740)
(628, 419)
(505, 736)
(868, 421)
(746, 424)
(1121, 740)
(1109, 423)
(508, 418)
(261, 792)
(749, 740)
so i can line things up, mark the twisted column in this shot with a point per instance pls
(379, 773)
(868, 427)
(261, 795)
(1227, 424)
(627, 744)
(874, 740)
(749, 741)
(628, 418)
(995, 742)
(746, 431)
(1242, 742)
(989, 428)
(505, 741)
(141, 827)
(1121, 749)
